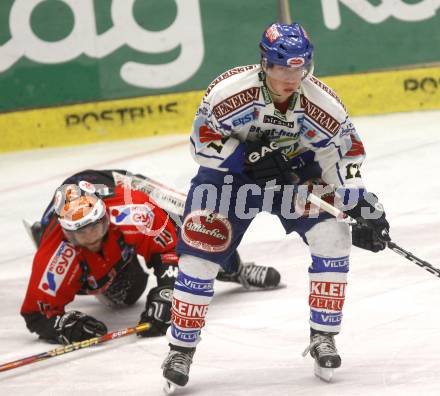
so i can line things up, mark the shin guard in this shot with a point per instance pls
(193, 291)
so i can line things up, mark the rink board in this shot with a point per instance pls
(363, 94)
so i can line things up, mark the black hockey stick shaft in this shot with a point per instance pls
(408, 255)
(391, 245)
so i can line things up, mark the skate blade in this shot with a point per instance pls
(169, 387)
(324, 374)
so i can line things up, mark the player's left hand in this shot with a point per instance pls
(265, 162)
(157, 311)
(372, 229)
(75, 326)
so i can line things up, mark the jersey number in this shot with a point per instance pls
(165, 238)
(353, 171)
(217, 146)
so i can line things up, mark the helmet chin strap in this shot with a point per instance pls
(271, 90)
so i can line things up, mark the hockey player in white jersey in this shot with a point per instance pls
(260, 131)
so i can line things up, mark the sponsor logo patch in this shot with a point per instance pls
(186, 315)
(228, 74)
(166, 294)
(87, 186)
(295, 61)
(57, 268)
(207, 231)
(171, 272)
(185, 336)
(310, 133)
(274, 132)
(132, 214)
(169, 258)
(327, 264)
(236, 101)
(326, 318)
(327, 289)
(276, 121)
(246, 118)
(200, 287)
(256, 156)
(332, 304)
(321, 117)
(266, 95)
(272, 33)
(327, 89)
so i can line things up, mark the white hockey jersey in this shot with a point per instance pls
(237, 107)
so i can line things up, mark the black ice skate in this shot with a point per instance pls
(258, 276)
(323, 349)
(250, 274)
(176, 367)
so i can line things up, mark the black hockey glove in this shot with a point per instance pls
(372, 229)
(157, 311)
(165, 268)
(364, 237)
(265, 161)
(76, 326)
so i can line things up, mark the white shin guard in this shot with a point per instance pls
(330, 244)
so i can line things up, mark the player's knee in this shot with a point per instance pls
(138, 284)
(197, 267)
(127, 287)
(329, 238)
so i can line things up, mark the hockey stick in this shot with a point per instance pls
(284, 12)
(174, 202)
(411, 257)
(75, 346)
(391, 245)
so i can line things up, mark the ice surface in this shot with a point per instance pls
(253, 341)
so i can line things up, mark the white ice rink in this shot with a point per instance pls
(252, 343)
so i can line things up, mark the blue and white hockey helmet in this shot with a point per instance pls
(287, 45)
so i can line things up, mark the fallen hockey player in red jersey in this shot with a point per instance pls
(88, 243)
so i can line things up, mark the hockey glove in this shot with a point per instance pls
(165, 268)
(365, 238)
(75, 326)
(372, 229)
(157, 311)
(265, 162)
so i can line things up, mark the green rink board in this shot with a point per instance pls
(53, 53)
